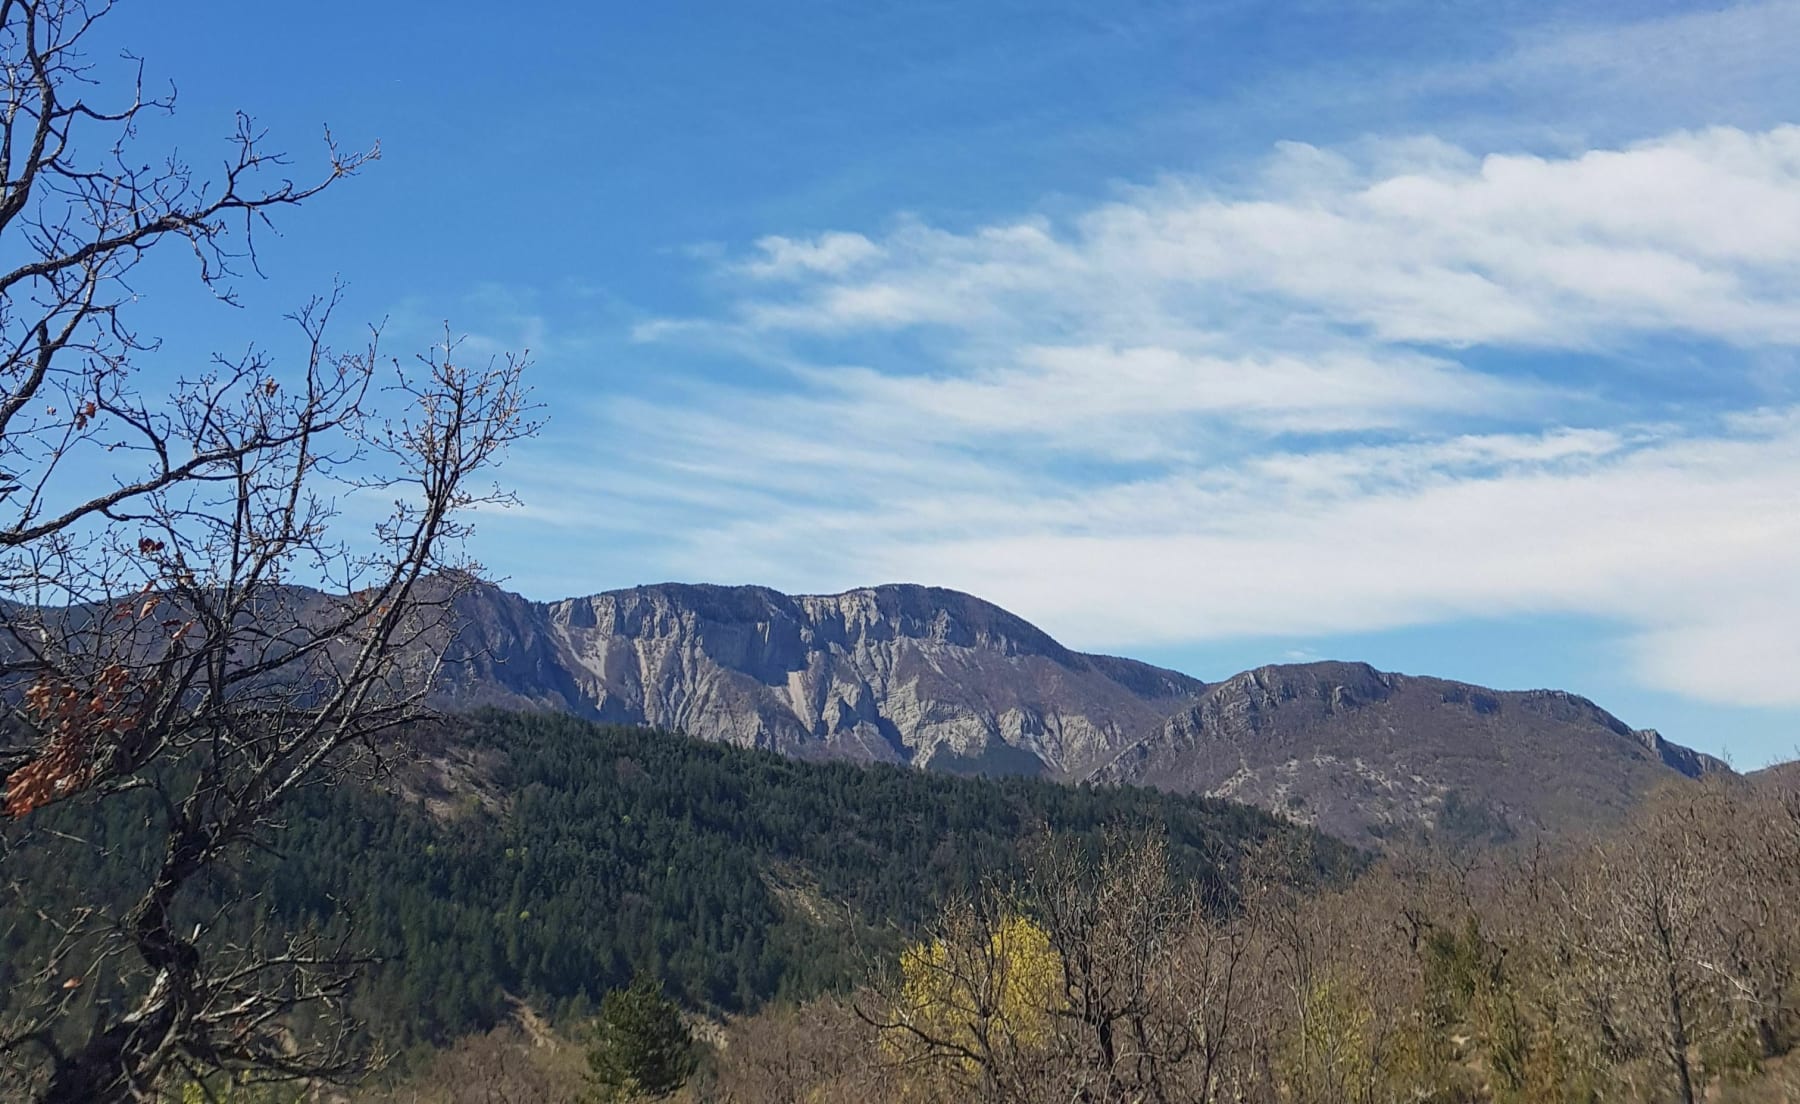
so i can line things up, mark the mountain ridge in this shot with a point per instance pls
(1364, 753)
(935, 678)
(932, 677)
(895, 673)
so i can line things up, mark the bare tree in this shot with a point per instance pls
(1100, 979)
(1627, 938)
(188, 612)
(820, 1052)
(1150, 972)
(1752, 865)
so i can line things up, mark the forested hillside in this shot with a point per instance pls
(1648, 965)
(575, 855)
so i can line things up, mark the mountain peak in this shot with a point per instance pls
(927, 676)
(897, 672)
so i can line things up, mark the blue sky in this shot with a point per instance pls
(1458, 337)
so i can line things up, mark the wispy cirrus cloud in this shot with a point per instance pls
(1149, 402)
(1714, 63)
(1686, 539)
(1327, 399)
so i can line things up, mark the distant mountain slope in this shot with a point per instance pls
(1779, 776)
(1363, 754)
(936, 678)
(903, 674)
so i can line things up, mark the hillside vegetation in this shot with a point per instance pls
(548, 859)
(1650, 966)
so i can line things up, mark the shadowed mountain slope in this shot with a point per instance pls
(1363, 754)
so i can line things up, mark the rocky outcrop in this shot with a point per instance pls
(1689, 762)
(904, 674)
(935, 678)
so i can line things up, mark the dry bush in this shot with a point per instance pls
(1098, 979)
(504, 1066)
(820, 1052)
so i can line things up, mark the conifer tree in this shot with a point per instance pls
(642, 1049)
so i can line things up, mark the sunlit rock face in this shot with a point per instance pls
(935, 678)
(902, 674)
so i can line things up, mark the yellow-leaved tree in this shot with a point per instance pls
(976, 1001)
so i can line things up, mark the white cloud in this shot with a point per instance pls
(1147, 402)
(831, 254)
(1316, 405)
(1687, 538)
(1697, 233)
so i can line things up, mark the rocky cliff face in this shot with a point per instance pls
(1367, 755)
(935, 678)
(902, 674)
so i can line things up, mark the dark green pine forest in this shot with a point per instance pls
(567, 857)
